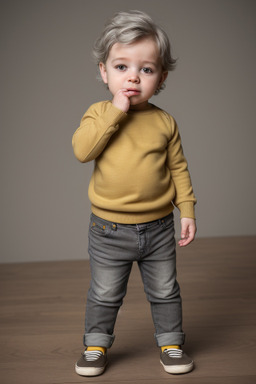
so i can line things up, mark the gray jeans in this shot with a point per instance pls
(113, 248)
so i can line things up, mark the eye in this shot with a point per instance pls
(121, 67)
(147, 70)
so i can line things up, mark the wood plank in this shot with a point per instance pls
(42, 316)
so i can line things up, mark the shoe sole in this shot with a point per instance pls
(89, 371)
(177, 369)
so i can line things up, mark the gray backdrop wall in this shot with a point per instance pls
(48, 81)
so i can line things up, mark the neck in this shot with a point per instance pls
(140, 107)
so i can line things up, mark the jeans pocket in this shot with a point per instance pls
(99, 228)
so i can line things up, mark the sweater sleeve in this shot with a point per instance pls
(176, 162)
(97, 126)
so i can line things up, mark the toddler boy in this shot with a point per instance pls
(140, 173)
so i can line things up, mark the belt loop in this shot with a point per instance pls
(162, 222)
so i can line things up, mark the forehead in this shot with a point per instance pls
(145, 49)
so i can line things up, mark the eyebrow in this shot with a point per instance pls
(127, 59)
(120, 59)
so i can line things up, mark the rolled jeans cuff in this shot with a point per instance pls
(170, 338)
(98, 340)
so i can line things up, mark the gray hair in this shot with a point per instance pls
(128, 27)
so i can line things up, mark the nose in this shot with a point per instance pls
(134, 78)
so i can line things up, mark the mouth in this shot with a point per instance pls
(133, 91)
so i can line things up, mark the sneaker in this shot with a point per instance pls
(175, 361)
(91, 363)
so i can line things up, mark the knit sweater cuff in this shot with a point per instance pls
(187, 209)
(113, 115)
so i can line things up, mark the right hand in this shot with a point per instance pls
(121, 100)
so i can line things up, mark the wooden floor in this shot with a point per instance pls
(42, 316)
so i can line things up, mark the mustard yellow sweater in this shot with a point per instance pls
(140, 170)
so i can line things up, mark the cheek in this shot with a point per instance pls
(113, 86)
(152, 85)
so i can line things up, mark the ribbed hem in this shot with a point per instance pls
(112, 116)
(131, 218)
(187, 209)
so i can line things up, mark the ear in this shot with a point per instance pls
(103, 72)
(163, 78)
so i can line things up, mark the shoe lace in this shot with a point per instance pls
(92, 355)
(174, 353)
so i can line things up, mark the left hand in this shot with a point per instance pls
(188, 231)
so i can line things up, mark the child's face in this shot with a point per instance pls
(134, 67)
